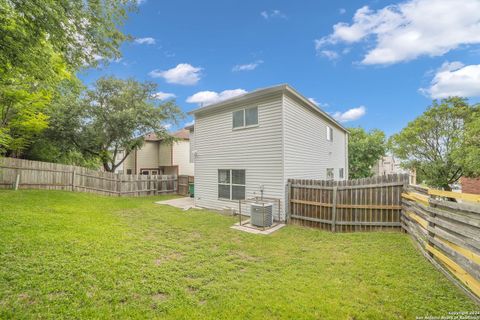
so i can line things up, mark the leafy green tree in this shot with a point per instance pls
(364, 150)
(43, 43)
(430, 142)
(51, 145)
(112, 118)
(468, 155)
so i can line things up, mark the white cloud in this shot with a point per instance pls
(342, 10)
(163, 95)
(271, 14)
(167, 126)
(312, 100)
(455, 79)
(209, 97)
(248, 66)
(410, 29)
(350, 114)
(183, 73)
(146, 40)
(329, 54)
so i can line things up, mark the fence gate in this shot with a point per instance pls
(347, 206)
(183, 184)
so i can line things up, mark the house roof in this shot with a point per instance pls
(285, 88)
(180, 134)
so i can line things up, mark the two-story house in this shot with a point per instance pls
(158, 157)
(257, 141)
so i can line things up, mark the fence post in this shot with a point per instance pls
(334, 208)
(73, 180)
(431, 225)
(287, 201)
(17, 182)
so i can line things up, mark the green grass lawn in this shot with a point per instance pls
(74, 255)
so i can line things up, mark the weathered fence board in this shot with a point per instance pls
(347, 206)
(448, 233)
(27, 174)
(183, 184)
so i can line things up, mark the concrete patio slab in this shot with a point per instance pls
(247, 227)
(182, 203)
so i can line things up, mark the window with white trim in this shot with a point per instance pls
(330, 174)
(231, 184)
(245, 118)
(329, 133)
(341, 173)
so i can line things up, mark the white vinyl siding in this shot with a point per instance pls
(257, 151)
(181, 157)
(308, 153)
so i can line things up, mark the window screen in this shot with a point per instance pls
(231, 184)
(239, 119)
(251, 116)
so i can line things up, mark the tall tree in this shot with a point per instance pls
(364, 150)
(429, 143)
(43, 43)
(468, 155)
(113, 117)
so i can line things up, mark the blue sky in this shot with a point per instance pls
(375, 64)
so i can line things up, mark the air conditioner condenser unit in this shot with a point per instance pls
(261, 215)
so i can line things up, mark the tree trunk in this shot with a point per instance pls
(106, 167)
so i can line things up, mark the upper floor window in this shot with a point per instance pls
(329, 133)
(245, 117)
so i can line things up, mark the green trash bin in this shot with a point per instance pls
(191, 189)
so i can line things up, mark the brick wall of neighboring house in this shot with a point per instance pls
(470, 185)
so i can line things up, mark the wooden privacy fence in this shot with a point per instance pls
(183, 184)
(447, 233)
(26, 174)
(345, 206)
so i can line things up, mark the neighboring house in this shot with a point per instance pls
(159, 157)
(388, 165)
(470, 185)
(257, 141)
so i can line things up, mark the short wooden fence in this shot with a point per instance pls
(183, 184)
(347, 206)
(26, 174)
(447, 233)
